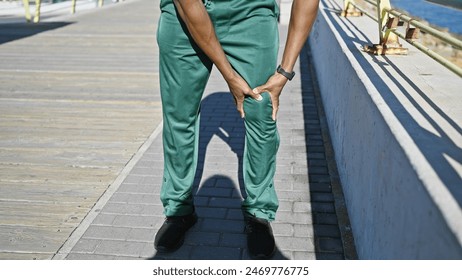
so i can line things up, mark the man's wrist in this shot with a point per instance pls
(288, 75)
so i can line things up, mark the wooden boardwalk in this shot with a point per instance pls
(78, 98)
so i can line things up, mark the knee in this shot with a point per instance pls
(259, 112)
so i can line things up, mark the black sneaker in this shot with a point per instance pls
(260, 240)
(171, 234)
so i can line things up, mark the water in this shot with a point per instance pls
(435, 14)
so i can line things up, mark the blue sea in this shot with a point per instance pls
(435, 14)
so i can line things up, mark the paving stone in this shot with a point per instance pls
(303, 230)
(323, 207)
(316, 149)
(330, 245)
(215, 192)
(86, 245)
(294, 218)
(328, 256)
(326, 230)
(106, 232)
(316, 155)
(301, 186)
(120, 197)
(317, 136)
(283, 255)
(285, 205)
(118, 248)
(224, 202)
(152, 210)
(135, 188)
(311, 132)
(200, 238)
(295, 243)
(287, 169)
(304, 255)
(222, 226)
(237, 240)
(319, 178)
(134, 221)
(235, 214)
(141, 235)
(302, 207)
(282, 229)
(144, 179)
(318, 170)
(122, 208)
(225, 183)
(135, 198)
(293, 195)
(145, 199)
(325, 218)
(322, 197)
(320, 187)
(211, 212)
(210, 182)
(299, 169)
(201, 201)
(104, 219)
(216, 253)
(314, 142)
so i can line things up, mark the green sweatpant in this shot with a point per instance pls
(248, 32)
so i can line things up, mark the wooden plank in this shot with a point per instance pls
(77, 100)
(23, 239)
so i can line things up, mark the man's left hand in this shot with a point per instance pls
(274, 87)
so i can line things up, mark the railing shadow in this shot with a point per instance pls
(438, 150)
(219, 233)
(15, 31)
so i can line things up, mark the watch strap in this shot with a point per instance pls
(284, 73)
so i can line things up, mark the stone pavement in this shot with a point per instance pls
(311, 223)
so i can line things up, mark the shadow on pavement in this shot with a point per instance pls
(15, 31)
(218, 195)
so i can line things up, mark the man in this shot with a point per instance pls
(239, 37)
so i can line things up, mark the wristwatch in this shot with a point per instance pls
(283, 72)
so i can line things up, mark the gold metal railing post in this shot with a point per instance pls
(388, 40)
(38, 4)
(349, 9)
(74, 3)
(389, 34)
(27, 10)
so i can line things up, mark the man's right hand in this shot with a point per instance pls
(239, 89)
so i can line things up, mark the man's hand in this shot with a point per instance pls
(274, 87)
(239, 89)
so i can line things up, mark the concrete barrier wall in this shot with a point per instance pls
(395, 128)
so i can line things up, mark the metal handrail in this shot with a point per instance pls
(388, 26)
